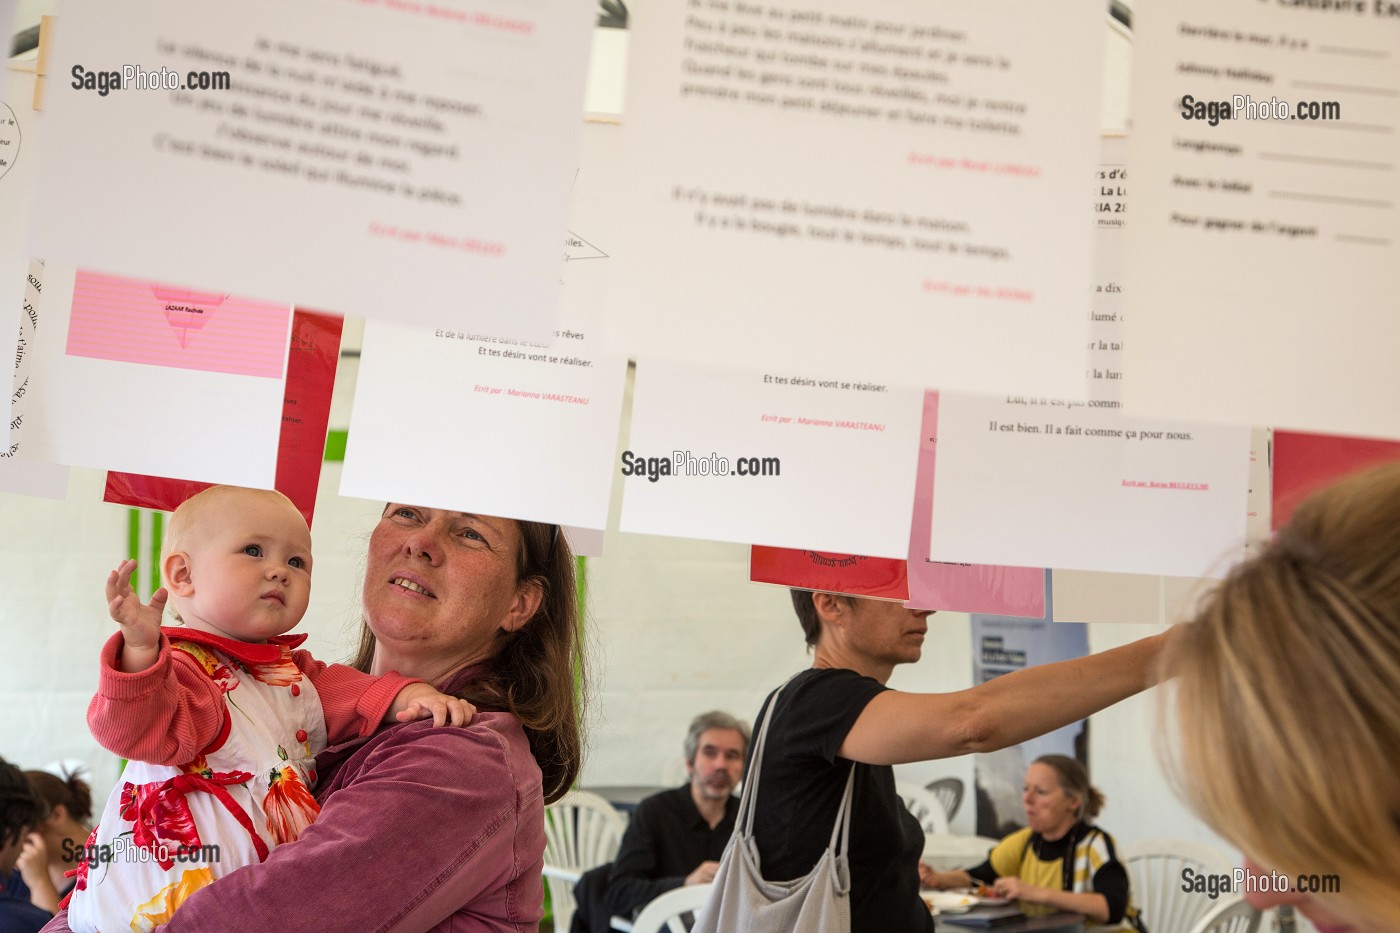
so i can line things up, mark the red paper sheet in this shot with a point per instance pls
(985, 588)
(306, 409)
(1304, 463)
(879, 577)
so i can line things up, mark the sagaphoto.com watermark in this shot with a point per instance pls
(134, 77)
(124, 849)
(1243, 881)
(685, 463)
(1244, 107)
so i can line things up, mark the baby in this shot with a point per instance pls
(221, 719)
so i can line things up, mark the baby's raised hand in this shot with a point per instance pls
(420, 701)
(140, 623)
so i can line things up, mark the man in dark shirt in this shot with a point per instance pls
(676, 837)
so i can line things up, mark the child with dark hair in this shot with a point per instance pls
(55, 846)
(20, 812)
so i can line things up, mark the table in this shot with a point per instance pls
(1053, 923)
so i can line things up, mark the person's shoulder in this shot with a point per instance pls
(488, 730)
(1017, 840)
(669, 799)
(491, 743)
(830, 675)
(1098, 842)
(830, 680)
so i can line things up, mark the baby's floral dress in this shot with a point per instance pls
(168, 831)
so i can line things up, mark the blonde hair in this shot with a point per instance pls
(1288, 697)
(191, 514)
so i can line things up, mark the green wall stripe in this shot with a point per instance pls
(153, 568)
(133, 533)
(335, 446)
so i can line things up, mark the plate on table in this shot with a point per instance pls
(987, 896)
(946, 902)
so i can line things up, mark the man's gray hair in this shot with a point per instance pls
(714, 719)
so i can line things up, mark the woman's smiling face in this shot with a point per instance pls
(441, 587)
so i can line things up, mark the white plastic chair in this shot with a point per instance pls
(1230, 916)
(665, 913)
(1154, 870)
(925, 807)
(581, 831)
(949, 792)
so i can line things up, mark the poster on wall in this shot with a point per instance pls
(861, 173)
(1001, 645)
(406, 161)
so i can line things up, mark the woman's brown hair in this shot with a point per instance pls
(70, 792)
(1288, 698)
(1074, 781)
(539, 674)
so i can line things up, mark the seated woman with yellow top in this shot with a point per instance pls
(1060, 861)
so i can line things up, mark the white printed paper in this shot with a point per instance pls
(18, 474)
(889, 191)
(19, 150)
(1263, 251)
(160, 420)
(789, 459)
(389, 158)
(458, 421)
(487, 424)
(1030, 481)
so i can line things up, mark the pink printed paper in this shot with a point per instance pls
(985, 588)
(142, 322)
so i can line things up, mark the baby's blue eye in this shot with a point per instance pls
(253, 550)
(297, 562)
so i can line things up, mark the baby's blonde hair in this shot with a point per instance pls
(188, 519)
(1288, 697)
